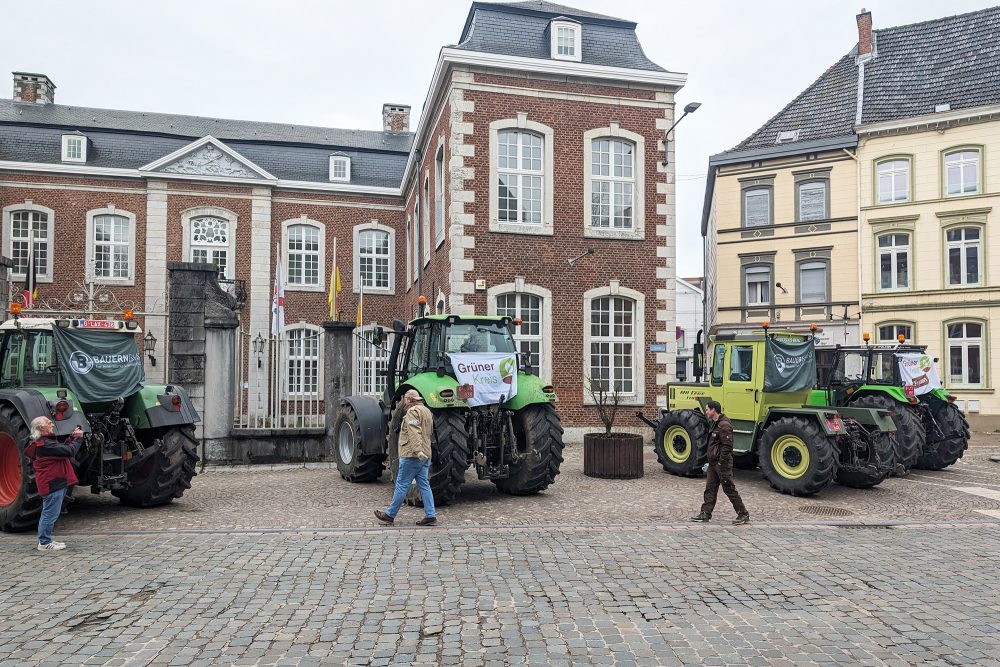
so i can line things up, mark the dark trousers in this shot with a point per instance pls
(721, 472)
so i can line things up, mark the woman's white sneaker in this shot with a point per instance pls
(51, 546)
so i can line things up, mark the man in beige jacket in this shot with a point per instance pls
(414, 459)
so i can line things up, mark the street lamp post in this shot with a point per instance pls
(690, 108)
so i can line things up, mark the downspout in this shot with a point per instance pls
(862, 60)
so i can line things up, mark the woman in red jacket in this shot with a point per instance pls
(54, 474)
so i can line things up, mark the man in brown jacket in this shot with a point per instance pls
(414, 459)
(720, 466)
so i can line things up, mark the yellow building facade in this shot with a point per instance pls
(930, 250)
(785, 242)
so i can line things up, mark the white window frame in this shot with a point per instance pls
(766, 269)
(344, 160)
(638, 333)
(8, 222)
(813, 265)
(439, 214)
(523, 124)
(893, 172)
(544, 369)
(309, 330)
(190, 214)
(577, 37)
(965, 343)
(894, 251)
(92, 216)
(426, 224)
(895, 332)
(356, 272)
(960, 164)
(963, 245)
(320, 285)
(67, 141)
(368, 356)
(615, 132)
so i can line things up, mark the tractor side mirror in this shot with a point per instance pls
(378, 335)
(699, 360)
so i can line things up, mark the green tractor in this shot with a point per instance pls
(932, 432)
(516, 441)
(139, 441)
(763, 381)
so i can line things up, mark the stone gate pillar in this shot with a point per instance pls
(338, 368)
(202, 342)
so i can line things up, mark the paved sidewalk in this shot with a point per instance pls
(651, 596)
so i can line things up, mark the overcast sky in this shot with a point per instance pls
(335, 63)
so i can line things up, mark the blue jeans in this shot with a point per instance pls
(51, 506)
(411, 468)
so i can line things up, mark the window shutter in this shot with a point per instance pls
(812, 201)
(812, 282)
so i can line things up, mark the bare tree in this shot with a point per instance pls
(607, 398)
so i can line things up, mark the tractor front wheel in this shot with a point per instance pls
(20, 504)
(910, 439)
(681, 442)
(797, 457)
(354, 465)
(952, 447)
(166, 474)
(539, 439)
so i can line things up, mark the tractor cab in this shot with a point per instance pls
(861, 366)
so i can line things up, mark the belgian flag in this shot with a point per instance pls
(30, 282)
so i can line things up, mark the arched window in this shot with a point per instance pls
(612, 343)
(373, 362)
(528, 334)
(612, 170)
(304, 359)
(894, 261)
(304, 254)
(29, 228)
(889, 332)
(374, 263)
(892, 180)
(520, 174)
(439, 197)
(210, 243)
(961, 172)
(964, 248)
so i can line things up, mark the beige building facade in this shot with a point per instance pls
(930, 252)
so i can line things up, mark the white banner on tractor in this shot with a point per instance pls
(485, 377)
(917, 370)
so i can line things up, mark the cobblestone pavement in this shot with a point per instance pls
(284, 567)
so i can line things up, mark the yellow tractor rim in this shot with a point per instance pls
(677, 444)
(790, 457)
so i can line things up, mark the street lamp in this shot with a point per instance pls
(690, 108)
(258, 348)
(149, 346)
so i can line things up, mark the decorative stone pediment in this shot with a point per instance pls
(208, 157)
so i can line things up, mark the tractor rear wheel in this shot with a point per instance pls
(354, 465)
(681, 442)
(166, 474)
(950, 449)
(450, 447)
(797, 457)
(908, 444)
(881, 464)
(539, 438)
(20, 503)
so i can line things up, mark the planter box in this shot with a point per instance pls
(614, 456)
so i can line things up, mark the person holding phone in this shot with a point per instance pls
(54, 474)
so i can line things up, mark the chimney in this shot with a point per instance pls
(396, 117)
(864, 33)
(34, 88)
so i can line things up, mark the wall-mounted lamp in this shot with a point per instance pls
(690, 108)
(149, 347)
(783, 290)
(588, 251)
(258, 348)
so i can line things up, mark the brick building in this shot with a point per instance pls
(541, 138)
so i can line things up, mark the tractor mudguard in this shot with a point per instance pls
(371, 420)
(30, 403)
(825, 418)
(870, 417)
(151, 407)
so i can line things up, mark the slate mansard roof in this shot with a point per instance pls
(521, 29)
(953, 60)
(131, 139)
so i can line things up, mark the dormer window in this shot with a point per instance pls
(340, 168)
(787, 136)
(74, 148)
(565, 39)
